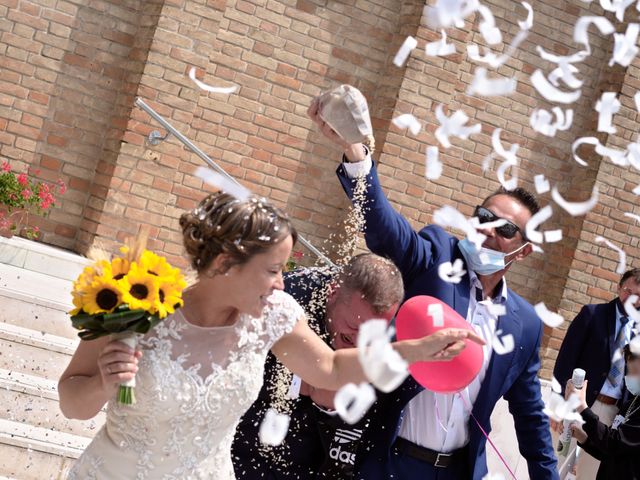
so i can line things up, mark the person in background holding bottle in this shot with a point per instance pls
(591, 343)
(618, 446)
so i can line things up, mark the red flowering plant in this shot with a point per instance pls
(20, 194)
(294, 260)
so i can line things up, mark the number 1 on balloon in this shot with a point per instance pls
(435, 311)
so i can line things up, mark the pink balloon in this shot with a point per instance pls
(422, 315)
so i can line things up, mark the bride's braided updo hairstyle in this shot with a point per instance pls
(223, 224)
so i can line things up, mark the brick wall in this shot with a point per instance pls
(69, 74)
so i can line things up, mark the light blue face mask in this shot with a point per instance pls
(493, 260)
(633, 384)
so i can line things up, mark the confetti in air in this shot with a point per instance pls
(353, 401)
(622, 257)
(550, 319)
(406, 120)
(440, 48)
(210, 88)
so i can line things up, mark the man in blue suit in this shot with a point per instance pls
(591, 343)
(423, 435)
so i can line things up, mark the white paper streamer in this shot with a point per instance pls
(555, 385)
(487, 27)
(446, 13)
(273, 428)
(528, 23)
(581, 34)
(453, 126)
(440, 48)
(382, 365)
(606, 107)
(540, 120)
(353, 401)
(210, 88)
(433, 165)
(632, 313)
(551, 319)
(576, 208)
(448, 216)
(551, 93)
(452, 273)
(223, 183)
(535, 221)
(559, 409)
(552, 236)
(632, 215)
(481, 85)
(510, 160)
(581, 141)
(473, 51)
(542, 184)
(636, 100)
(622, 257)
(502, 345)
(405, 50)
(406, 120)
(624, 48)
(618, 6)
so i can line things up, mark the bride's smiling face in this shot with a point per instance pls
(252, 282)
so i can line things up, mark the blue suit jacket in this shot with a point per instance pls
(513, 375)
(589, 344)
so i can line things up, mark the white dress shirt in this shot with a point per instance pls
(607, 388)
(433, 420)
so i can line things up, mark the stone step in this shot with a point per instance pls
(31, 452)
(34, 400)
(35, 287)
(36, 314)
(34, 353)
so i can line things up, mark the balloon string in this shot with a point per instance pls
(438, 416)
(504, 462)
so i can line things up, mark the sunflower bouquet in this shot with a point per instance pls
(126, 297)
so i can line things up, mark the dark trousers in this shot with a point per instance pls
(405, 467)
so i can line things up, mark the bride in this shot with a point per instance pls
(200, 369)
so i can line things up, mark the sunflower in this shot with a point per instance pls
(103, 295)
(169, 295)
(119, 267)
(140, 289)
(157, 265)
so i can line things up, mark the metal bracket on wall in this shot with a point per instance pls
(155, 137)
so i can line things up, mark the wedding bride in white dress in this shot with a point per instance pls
(200, 369)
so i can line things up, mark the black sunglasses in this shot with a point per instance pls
(508, 230)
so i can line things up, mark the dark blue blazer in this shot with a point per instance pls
(589, 344)
(513, 375)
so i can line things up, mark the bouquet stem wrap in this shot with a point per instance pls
(126, 395)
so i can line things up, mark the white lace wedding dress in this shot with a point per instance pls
(192, 387)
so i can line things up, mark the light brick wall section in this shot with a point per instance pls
(69, 74)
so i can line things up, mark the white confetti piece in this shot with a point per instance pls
(559, 409)
(634, 345)
(273, 428)
(542, 184)
(405, 50)
(433, 165)
(632, 215)
(576, 208)
(502, 345)
(617, 157)
(607, 106)
(552, 236)
(406, 120)
(617, 355)
(617, 6)
(551, 93)
(446, 13)
(528, 23)
(491, 58)
(582, 141)
(510, 161)
(487, 27)
(453, 126)
(447, 216)
(382, 365)
(223, 183)
(636, 100)
(565, 70)
(633, 155)
(636, 191)
(630, 309)
(210, 88)
(353, 401)
(555, 385)
(624, 48)
(452, 273)
(540, 120)
(622, 257)
(551, 319)
(481, 85)
(581, 34)
(475, 223)
(440, 48)
(535, 221)
(496, 309)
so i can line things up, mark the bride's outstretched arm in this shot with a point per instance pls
(306, 355)
(93, 375)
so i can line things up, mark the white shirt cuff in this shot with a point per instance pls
(358, 169)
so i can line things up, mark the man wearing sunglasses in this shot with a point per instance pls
(593, 342)
(428, 436)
